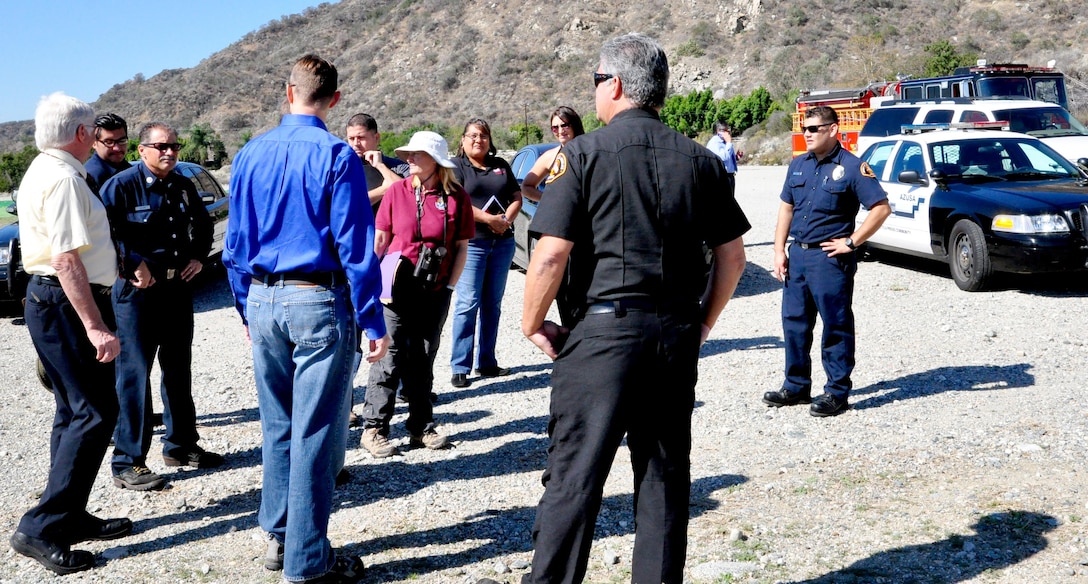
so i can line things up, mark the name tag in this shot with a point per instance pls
(143, 208)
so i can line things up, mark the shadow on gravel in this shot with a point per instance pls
(756, 280)
(942, 379)
(497, 533)
(211, 292)
(486, 386)
(718, 346)
(1063, 284)
(1000, 540)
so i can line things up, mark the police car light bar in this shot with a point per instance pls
(919, 128)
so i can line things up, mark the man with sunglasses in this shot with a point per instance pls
(110, 147)
(823, 191)
(163, 233)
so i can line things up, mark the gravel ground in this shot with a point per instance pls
(962, 460)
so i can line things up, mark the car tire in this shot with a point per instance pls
(968, 257)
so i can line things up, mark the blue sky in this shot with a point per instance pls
(85, 47)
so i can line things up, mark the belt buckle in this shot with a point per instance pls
(170, 273)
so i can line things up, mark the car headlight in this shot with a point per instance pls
(1031, 224)
(5, 255)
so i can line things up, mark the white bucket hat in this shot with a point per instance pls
(431, 143)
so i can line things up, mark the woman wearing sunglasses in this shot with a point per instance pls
(566, 125)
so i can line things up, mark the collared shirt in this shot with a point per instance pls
(374, 176)
(160, 221)
(826, 194)
(495, 180)
(638, 200)
(298, 204)
(398, 216)
(58, 213)
(724, 151)
(101, 171)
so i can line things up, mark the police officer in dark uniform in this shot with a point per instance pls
(163, 232)
(822, 194)
(631, 205)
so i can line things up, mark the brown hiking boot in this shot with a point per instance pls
(376, 444)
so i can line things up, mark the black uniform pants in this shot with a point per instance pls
(630, 373)
(86, 409)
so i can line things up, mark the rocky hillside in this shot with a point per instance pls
(411, 62)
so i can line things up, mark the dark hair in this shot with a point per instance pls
(314, 79)
(109, 122)
(486, 128)
(145, 132)
(365, 120)
(826, 115)
(569, 116)
(721, 125)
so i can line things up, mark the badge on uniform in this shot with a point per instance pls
(440, 203)
(838, 172)
(867, 171)
(559, 166)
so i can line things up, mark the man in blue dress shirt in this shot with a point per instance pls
(300, 257)
(722, 146)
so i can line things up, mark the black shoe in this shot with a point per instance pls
(138, 478)
(345, 570)
(156, 420)
(495, 371)
(95, 529)
(828, 405)
(343, 477)
(195, 457)
(783, 397)
(460, 380)
(60, 559)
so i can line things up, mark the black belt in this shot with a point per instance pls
(808, 245)
(326, 279)
(55, 281)
(625, 305)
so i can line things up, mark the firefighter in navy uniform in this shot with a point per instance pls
(163, 233)
(820, 199)
(631, 206)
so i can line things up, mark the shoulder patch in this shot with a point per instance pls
(867, 171)
(559, 166)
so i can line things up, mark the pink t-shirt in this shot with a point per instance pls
(397, 215)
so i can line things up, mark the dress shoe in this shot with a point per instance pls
(60, 559)
(495, 371)
(460, 380)
(94, 529)
(783, 397)
(345, 570)
(138, 478)
(342, 478)
(828, 405)
(194, 456)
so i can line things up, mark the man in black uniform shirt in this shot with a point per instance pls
(110, 148)
(164, 233)
(631, 206)
(381, 170)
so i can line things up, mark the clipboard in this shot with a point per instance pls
(494, 207)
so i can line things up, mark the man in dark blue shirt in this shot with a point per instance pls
(300, 257)
(822, 194)
(110, 147)
(163, 233)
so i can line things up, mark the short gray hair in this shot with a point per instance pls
(58, 117)
(642, 67)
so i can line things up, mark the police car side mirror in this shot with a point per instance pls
(1082, 164)
(912, 177)
(11, 209)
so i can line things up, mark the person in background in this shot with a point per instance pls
(823, 191)
(381, 170)
(566, 125)
(632, 207)
(164, 233)
(496, 201)
(423, 227)
(110, 148)
(299, 254)
(721, 144)
(72, 263)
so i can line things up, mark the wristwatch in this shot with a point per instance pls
(850, 243)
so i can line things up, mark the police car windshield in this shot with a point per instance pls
(1042, 122)
(998, 158)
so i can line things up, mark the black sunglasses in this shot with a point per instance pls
(560, 126)
(599, 78)
(816, 128)
(164, 146)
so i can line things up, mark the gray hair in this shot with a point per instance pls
(57, 119)
(642, 67)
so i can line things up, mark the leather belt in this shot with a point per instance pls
(326, 279)
(808, 245)
(55, 282)
(623, 306)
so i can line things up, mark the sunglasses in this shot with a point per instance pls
(599, 78)
(112, 143)
(816, 128)
(559, 127)
(164, 146)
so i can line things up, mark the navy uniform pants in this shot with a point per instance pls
(630, 373)
(817, 284)
(86, 410)
(157, 319)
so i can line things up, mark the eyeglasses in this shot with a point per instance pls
(816, 128)
(480, 137)
(599, 78)
(122, 141)
(164, 146)
(559, 127)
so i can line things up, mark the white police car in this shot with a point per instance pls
(985, 201)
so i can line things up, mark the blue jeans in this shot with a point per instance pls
(303, 344)
(480, 290)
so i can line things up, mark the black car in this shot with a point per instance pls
(13, 279)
